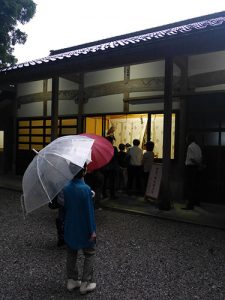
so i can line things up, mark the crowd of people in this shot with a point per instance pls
(128, 170)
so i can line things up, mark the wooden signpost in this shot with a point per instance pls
(154, 181)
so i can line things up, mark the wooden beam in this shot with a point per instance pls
(207, 79)
(134, 85)
(74, 77)
(145, 100)
(39, 97)
(182, 86)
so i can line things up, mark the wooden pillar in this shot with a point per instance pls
(15, 132)
(45, 109)
(184, 89)
(80, 104)
(165, 201)
(55, 107)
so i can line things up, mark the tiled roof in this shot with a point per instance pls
(150, 36)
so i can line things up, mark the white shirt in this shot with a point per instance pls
(136, 155)
(194, 155)
(147, 161)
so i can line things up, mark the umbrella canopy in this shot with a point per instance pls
(52, 167)
(102, 151)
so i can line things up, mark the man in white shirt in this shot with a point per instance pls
(192, 163)
(134, 169)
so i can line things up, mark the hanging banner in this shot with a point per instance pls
(154, 181)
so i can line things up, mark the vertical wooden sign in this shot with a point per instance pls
(154, 181)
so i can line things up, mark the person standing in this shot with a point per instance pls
(59, 221)
(110, 172)
(127, 147)
(95, 180)
(192, 163)
(134, 169)
(147, 161)
(79, 232)
(122, 176)
(111, 132)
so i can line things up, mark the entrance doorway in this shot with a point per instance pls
(127, 127)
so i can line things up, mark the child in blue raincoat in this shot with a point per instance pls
(79, 232)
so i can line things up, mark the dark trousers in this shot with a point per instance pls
(109, 183)
(192, 186)
(145, 177)
(122, 178)
(134, 179)
(59, 221)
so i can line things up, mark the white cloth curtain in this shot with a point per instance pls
(128, 129)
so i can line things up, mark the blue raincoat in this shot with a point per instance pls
(79, 215)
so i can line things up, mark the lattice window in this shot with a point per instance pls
(36, 133)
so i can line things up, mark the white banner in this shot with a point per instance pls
(154, 181)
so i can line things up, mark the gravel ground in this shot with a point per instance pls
(137, 257)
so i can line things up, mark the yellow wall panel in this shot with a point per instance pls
(48, 122)
(24, 131)
(37, 139)
(69, 122)
(37, 147)
(37, 123)
(69, 131)
(48, 139)
(23, 138)
(48, 131)
(37, 131)
(24, 123)
(23, 147)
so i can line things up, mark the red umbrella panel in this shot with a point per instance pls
(101, 153)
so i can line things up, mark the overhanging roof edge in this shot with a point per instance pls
(130, 40)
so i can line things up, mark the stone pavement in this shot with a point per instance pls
(138, 257)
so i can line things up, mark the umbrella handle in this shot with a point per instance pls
(35, 151)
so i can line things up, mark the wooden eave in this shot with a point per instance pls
(196, 41)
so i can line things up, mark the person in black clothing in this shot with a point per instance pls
(147, 162)
(95, 180)
(122, 167)
(110, 172)
(192, 163)
(59, 221)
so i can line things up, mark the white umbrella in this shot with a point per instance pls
(52, 168)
